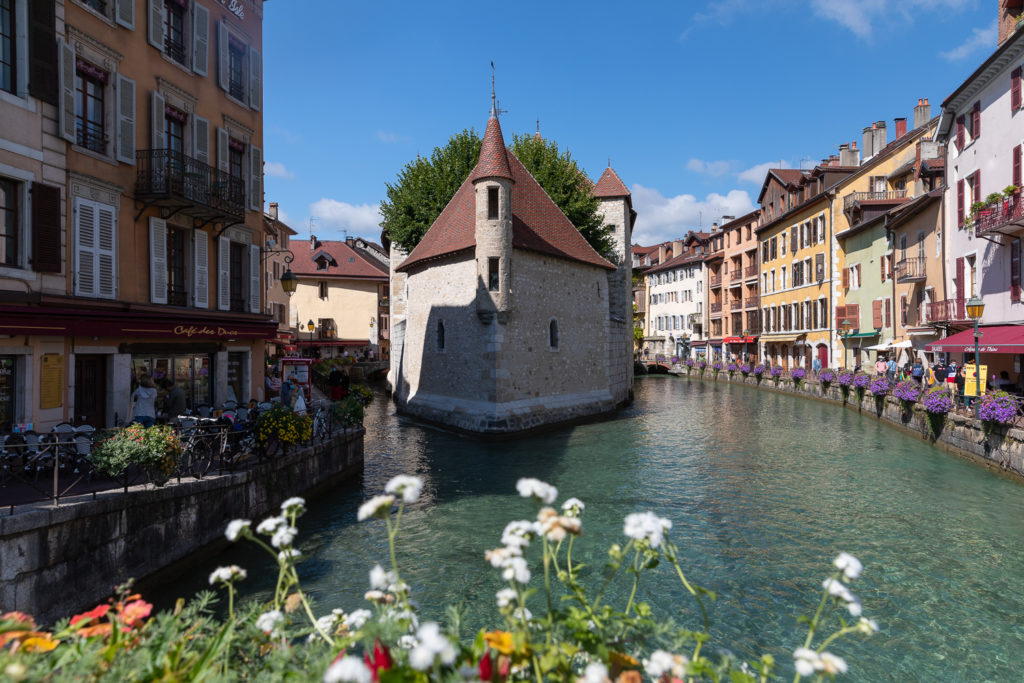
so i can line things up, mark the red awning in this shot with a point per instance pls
(740, 340)
(998, 339)
(333, 342)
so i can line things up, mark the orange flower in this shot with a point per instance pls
(97, 612)
(620, 661)
(135, 612)
(12, 636)
(500, 641)
(39, 642)
(103, 629)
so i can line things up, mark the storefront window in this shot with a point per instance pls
(192, 372)
(7, 386)
(236, 376)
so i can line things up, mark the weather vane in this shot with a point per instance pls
(496, 109)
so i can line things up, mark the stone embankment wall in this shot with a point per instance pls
(58, 560)
(1001, 448)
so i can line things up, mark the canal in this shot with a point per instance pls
(764, 489)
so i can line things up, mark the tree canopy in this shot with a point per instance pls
(426, 185)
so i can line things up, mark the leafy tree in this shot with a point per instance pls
(425, 186)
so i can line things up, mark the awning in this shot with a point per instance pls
(740, 340)
(996, 339)
(861, 335)
(780, 337)
(905, 344)
(878, 347)
(332, 342)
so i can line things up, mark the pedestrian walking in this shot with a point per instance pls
(891, 369)
(917, 371)
(174, 400)
(880, 365)
(144, 398)
(816, 366)
(334, 380)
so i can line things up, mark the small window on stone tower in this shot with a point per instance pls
(553, 334)
(493, 265)
(440, 335)
(492, 203)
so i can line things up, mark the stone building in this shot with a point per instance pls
(504, 318)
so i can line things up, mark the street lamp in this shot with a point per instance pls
(847, 326)
(975, 309)
(311, 327)
(746, 333)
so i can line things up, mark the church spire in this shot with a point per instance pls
(493, 161)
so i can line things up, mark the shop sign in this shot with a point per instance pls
(203, 331)
(51, 380)
(235, 7)
(970, 383)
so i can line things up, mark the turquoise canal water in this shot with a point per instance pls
(764, 490)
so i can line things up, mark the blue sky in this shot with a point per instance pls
(691, 100)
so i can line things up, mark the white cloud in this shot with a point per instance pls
(980, 39)
(385, 136)
(661, 218)
(756, 174)
(275, 169)
(332, 216)
(862, 16)
(712, 168)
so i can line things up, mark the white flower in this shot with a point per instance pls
(499, 557)
(646, 526)
(421, 658)
(270, 524)
(358, 617)
(294, 504)
(430, 637)
(269, 621)
(573, 507)
(378, 596)
(378, 506)
(348, 669)
(522, 613)
(235, 528)
(662, 662)
(407, 642)
(283, 536)
(516, 569)
(506, 596)
(381, 579)
(406, 486)
(850, 566)
(596, 672)
(227, 574)
(535, 488)
(806, 661)
(327, 623)
(832, 664)
(519, 533)
(867, 626)
(288, 553)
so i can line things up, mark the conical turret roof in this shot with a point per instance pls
(493, 157)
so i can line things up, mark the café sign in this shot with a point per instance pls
(204, 331)
(235, 7)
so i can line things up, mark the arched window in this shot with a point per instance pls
(553, 334)
(440, 335)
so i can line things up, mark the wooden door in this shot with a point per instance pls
(91, 391)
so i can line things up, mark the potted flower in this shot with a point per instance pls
(702, 365)
(281, 428)
(844, 379)
(907, 392)
(745, 369)
(154, 450)
(732, 369)
(689, 365)
(879, 387)
(776, 373)
(997, 409)
(759, 371)
(860, 383)
(825, 377)
(937, 403)
(798, 375)
(717, 367)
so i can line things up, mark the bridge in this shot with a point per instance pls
(658, 364)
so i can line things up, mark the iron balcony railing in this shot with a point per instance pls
(715, 281)
(750, 302)
(172, 175)
(855, 197)
(997, 217)
(946, 311)
(736, 274)
(716, 308)
(750, 271)
(910, 269)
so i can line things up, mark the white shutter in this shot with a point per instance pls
(125, 120)
(200, 39)
(85, 247)
(157, 116)
(201, 139)
(255, 71)
(224, 274)
(254, 279)
(67, 92)
(125, 13)
(156, 24)
(223, 58)
(157, 260)
(255, 178)
(106, 251)
(201, 270)
(223, 151)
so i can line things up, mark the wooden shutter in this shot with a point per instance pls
(200, 39)
(43, 59)
(254, 279)
(793, 245)
(1016, 166)
(255, 80)
(156, 24)
(46, 228)
(157, 121)
(977, 187)
(881, 263)
(67, 91)
(201, 139)
(840, 316)
(819, 267)
(125, 129)
(960, 126)
(1015, 270)
(223, 57)
(860, 280)
(157, 260)
(223, 150)
(846, 278)
(958, 280)
(106, 264)
(976, 121)
(960, 203)
(200, 269)
(853, 315)
(1015, 89)
(85, 247)
(888, 312)
(124, 13)
(255, 178)
(876, 313)
(892, 258)
(224, 274)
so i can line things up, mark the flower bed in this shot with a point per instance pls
(155, 449)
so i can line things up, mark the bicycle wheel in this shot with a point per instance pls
(200, 459)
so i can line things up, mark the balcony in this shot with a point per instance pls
(172, 180)
(693, 319)
(855, 198)
(750, 302)
(1006, 217)
(716, 310)
(750, 272)
(946, 311)
(736, 274)
(715, 281)
(910, 269)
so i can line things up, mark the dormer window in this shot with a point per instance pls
(321, 263)
(492, 203)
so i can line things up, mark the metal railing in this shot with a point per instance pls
(947, 310)
(715, 281)
(910, 269)
(166, 173)
(998, 215)
(716, 308)
(750, 302)
(750, 271)
(855, 197)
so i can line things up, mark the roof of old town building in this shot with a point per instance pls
(610, 185)
(537, 223)
(340, 260)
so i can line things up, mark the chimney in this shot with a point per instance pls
(878, 133)
(273, 211)
(869, 139)
(1007, 19)
(661, 253)
(848, 154)
(677, 248)
(901, 128)
(350, 241)
(312, 242)
(714, 227)
(922, 113)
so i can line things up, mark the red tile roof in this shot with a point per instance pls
(537, 222)
(493, 161)
(348, 262)
(788, 175)
(610, 185)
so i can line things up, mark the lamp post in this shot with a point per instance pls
(847, 326)
(311, 327)
(975, 309)
(746, 333)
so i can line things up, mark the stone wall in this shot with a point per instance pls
(55, 561)
(998, 448)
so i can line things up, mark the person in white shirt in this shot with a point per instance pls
(144, 397)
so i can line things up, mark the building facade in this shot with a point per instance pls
(741, 274)
(277, 261)
(676, 290)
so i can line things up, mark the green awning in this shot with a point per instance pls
(859, 335)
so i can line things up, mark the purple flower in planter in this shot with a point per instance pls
(845, 378)
(880, 386)
(732, 367)
(674, 360)
(798, 373)
(745, 369)
(907, 391)
(758, 369)
(861, 381)
(938, 401)
(717, 365)
(776, 371)
(689, 362)
(826, 376)
(703, 364)
(999, 408)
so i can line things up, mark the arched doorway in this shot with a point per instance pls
(823, 355)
